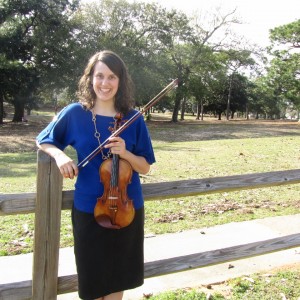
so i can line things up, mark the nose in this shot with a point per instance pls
(105, 80)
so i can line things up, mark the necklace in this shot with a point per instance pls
(97, 136)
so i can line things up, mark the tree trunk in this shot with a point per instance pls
(183, 109)
(19, 111)
(176, 109)
(178, 98)
(179, 94)
(229, 97)
(1, 110)
(198, 110)
(202, 110)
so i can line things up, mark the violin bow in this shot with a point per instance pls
(152, 102)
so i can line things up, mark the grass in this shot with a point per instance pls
(202, 159)
(283, 284)
(189, 149)
(193, 149)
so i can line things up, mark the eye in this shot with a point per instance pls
(112, 77)
(99, 76)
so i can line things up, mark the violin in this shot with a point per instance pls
(114, 209)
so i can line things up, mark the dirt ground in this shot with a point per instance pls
(20, 137)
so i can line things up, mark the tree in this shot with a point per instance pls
(239, 94)
(288, 35)
(284, 70)
(265, 99)
(33, 45)
(234, 61)
(197, 37)
(132, 31)
(201, 80)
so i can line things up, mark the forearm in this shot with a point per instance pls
(138, 163)
(65, 164)
(50, 149)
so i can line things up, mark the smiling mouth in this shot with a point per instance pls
(105, 90)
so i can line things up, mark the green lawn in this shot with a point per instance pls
(189, 149)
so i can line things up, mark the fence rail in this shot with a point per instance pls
(49, 199)
(25, 203)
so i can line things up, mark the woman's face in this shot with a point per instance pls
(105, 82)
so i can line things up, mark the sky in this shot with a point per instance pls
(258, 16)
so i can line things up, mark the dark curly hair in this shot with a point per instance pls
(124, 98)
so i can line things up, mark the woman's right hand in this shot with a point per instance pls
(66, 165)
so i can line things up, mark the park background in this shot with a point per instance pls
(236, 109)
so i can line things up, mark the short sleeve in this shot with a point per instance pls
(144, 145)
(56, 132)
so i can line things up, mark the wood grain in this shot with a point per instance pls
(25, 202)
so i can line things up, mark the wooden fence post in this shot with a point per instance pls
(47, 228)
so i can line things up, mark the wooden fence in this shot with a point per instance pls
(49, 200)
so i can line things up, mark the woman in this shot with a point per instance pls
(108, 261)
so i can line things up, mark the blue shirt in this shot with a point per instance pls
(74, 126)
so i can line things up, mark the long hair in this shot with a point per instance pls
(124, 98)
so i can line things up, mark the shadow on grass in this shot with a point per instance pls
(18, 165)
(211, 131)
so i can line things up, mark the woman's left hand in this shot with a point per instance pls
(117, 146)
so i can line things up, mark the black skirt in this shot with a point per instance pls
(107, 260)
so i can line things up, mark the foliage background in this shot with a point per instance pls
(44, 46)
